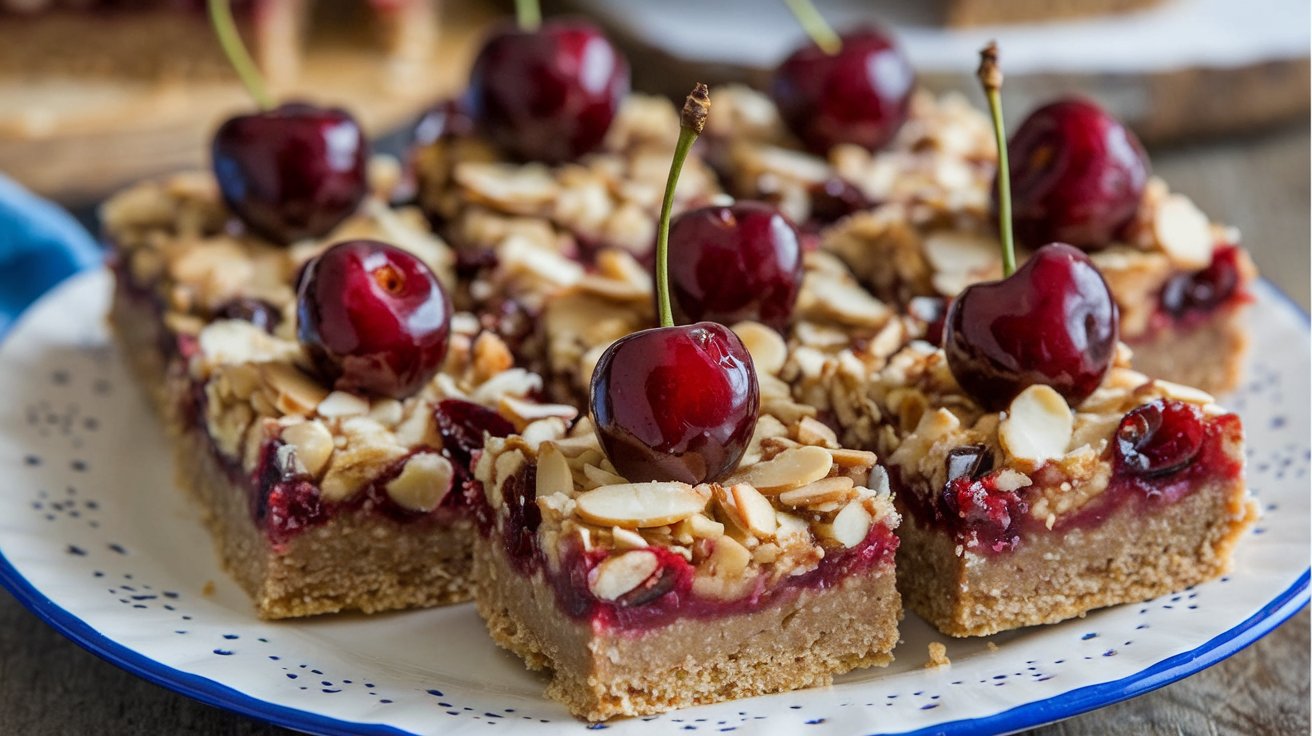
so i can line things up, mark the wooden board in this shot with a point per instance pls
(79, 139)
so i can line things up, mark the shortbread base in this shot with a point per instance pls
(356, 561)
(1133, 555)
(1209, 356)
(799, 642)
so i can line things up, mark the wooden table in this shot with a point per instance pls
(49, 686)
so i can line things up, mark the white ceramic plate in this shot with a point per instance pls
(98, 542)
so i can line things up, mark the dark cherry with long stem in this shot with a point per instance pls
(675, 403)
(547, 91)
(1077, 175)
(854, 88)
(288, 172)
(373, 318)
(730, 263)
(1052, 322)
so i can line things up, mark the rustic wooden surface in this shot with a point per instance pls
(49, 686)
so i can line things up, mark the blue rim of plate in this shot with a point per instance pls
(1059, 707)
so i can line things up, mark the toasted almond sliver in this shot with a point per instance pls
(343, 404)
(1038, 426)
(313, 443)
(1180, 392)
(766, 346)
(297, 392)
(627, 538)
(704, 527)
(599, 476)
(754, 510)
(729, 558)
(1183, 233)
(811, 431)
(789, 469)
(526, 411)
(553, 472)
(423, 483)
(618, 574)
(825, 490)
(640, 505)
(845, 458)
(851, 525)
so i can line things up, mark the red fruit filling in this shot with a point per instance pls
(1189, 299)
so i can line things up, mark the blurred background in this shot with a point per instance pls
(98, 93)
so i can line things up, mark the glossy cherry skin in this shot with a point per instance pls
(1159, 438)
(373, 318)
(292, 172)
(445, 119)
(860, 95)
(1052, 322)
(1077, 176)
(548, 95)
(675, 403)
(732, 263)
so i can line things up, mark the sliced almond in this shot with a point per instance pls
(960, 251)
(423, 483)
(754, 510)
(1183, 233)
(729, 558)
(343, 404)
(544, 430)
(313, 443)
(296, 392)
(519, 189)
(811, 431)
(851, 525)
(553, 472)
(845, 301)
(704, 527)
(1038, 426)
(524, 411)
(846, 458)
(599, 476)
(627, 538)
(825, 490)
(619, 574)
(789, 469)
(640, 505)
(1180, 392)
(766, 346)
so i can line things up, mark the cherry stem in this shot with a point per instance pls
(226, 29)
(691, 121)
(990, 75)
(815, 26)
(528, 14)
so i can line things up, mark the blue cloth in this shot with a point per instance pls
(40, 245)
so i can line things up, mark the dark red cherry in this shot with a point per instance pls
(1077, 175)
(1159, 438)
(733, 263)
(548, 94)
(834, 198)
(258, 312)
(1203, 291)
(445, 119)
(1051, 322)
(861, 95)
(292, 172)
(373, 317)
(675, 403)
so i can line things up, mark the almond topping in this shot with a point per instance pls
(423, 483)
(766, 346)
(754, 510)
(845, 458)
(851, 525)
(627, 538)
(296, 392)
(729, 558)
(1038, 426)
(619, 574)
(640, 505)
(825, 490)
(553, 472)
(313, 443)
(342, 404)
(1180, 392)
(524, 411)
(789, 469)
(1183, 232)
(599, 476)
(811, 431)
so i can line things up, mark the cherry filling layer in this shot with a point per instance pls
(668, 594)
(1162, 452)
(1187, 300)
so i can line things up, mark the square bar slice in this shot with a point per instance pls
(1043, 513)
(318, 500)
(640, 598)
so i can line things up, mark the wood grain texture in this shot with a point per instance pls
(48, 686)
